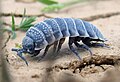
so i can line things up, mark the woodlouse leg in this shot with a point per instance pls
(47, 48)
(71, 41)
(60, 44)
(45, 52)
(88, 42)
(55, 46)
(36, 53)
(99, 45)
(84, 47)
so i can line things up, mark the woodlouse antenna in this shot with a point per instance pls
(19, 53)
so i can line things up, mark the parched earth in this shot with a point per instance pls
(65, 67)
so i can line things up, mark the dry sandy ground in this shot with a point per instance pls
(40, 72)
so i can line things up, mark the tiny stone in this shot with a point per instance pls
(77, 71)
(35, 76)
(93, 65)
(57, 69)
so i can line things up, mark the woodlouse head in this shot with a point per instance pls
(28, 45)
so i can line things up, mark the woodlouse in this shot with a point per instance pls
(54, 31)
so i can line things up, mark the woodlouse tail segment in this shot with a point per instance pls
(19, 53)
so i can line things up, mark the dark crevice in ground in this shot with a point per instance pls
(96, 17)
(90, 18)
(5, 43)
(96, 60)
(21, 15)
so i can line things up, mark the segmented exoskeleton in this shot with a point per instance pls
(54, 31)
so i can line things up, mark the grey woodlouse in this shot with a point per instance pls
(54, 30)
